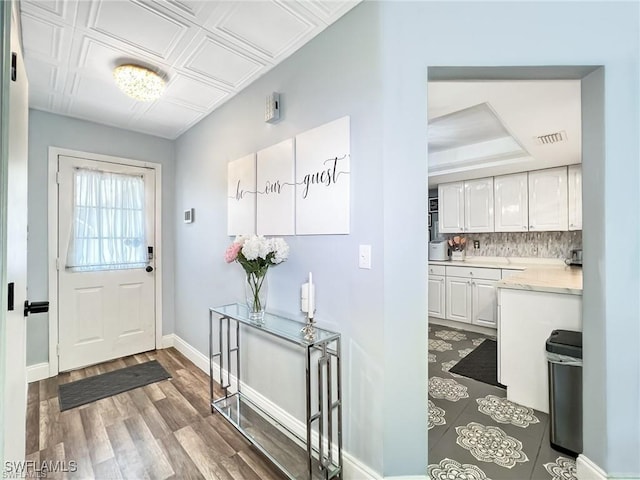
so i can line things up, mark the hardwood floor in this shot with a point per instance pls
(162, 431)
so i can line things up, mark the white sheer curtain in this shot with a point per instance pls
(108, 229)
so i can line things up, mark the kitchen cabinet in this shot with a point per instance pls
(458, 299)
(436, 297)
(471, 295)
(466, 206)
(436, 292)
(574, 186)
(451, 207)
(548, 202)
(483, 298)
(478, 205)
(511, 203)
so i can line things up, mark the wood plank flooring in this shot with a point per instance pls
(161, 431)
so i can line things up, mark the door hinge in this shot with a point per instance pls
(58, 178)
(57, 264)
(58, 350)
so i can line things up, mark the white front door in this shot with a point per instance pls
(106, 282)
(14, 338)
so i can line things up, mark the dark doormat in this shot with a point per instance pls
(481, 364)
(90, 389)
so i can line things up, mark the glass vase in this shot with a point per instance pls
(256, 290)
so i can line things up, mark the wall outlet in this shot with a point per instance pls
(476, 244)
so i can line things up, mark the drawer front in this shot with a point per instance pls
(474, 272)
(436, 269)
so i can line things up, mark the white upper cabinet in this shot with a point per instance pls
(478, 205)
(451, 207)
(548, 203)
(511, 203)
(575, 197)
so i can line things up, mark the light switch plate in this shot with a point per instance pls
(364, 256)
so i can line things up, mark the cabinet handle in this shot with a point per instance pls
(531, 227)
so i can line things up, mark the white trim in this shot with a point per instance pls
(588, 470)
(168, 340)
(354, 469)
(37, 372)
(200, 359)
(54, 153)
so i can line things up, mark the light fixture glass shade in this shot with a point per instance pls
(139, 82)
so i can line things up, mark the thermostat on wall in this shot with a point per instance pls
(188, 215)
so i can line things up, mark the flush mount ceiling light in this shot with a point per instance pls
(139, 82)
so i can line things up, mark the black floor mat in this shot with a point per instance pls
(90, 389)
(481, 364)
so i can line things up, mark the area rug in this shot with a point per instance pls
(481, 364)
(87, 390)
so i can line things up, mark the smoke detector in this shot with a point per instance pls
(550, 138)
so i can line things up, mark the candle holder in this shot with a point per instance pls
(309, 329)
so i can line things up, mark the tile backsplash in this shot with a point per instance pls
(528, 244)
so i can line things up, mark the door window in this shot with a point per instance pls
(108, 231)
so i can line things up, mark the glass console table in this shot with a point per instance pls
(319, 451)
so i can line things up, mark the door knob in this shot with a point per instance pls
(149, 268)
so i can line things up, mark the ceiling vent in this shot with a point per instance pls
(550, 138)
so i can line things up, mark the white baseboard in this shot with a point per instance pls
(37, 372)
(168, 340)
(443, 322)
(587, 470)
(354, 469)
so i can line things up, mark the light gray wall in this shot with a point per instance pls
(416, 35)
(373, 65)
(336, 74)
(50, 130)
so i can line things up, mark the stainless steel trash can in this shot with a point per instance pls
(564, 358)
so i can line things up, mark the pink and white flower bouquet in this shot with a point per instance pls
(256, 254)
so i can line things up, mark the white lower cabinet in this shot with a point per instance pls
(471, 295)
(436, 296)
(484, 303)
(458, 303)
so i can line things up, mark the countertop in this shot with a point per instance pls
(552, 279)
(537, 274)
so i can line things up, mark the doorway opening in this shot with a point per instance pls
(504, 142)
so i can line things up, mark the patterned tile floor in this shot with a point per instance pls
(475, 433)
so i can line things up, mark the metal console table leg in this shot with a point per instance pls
(323, 394)
(220, 355)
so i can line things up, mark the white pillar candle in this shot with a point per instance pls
(311, 296)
